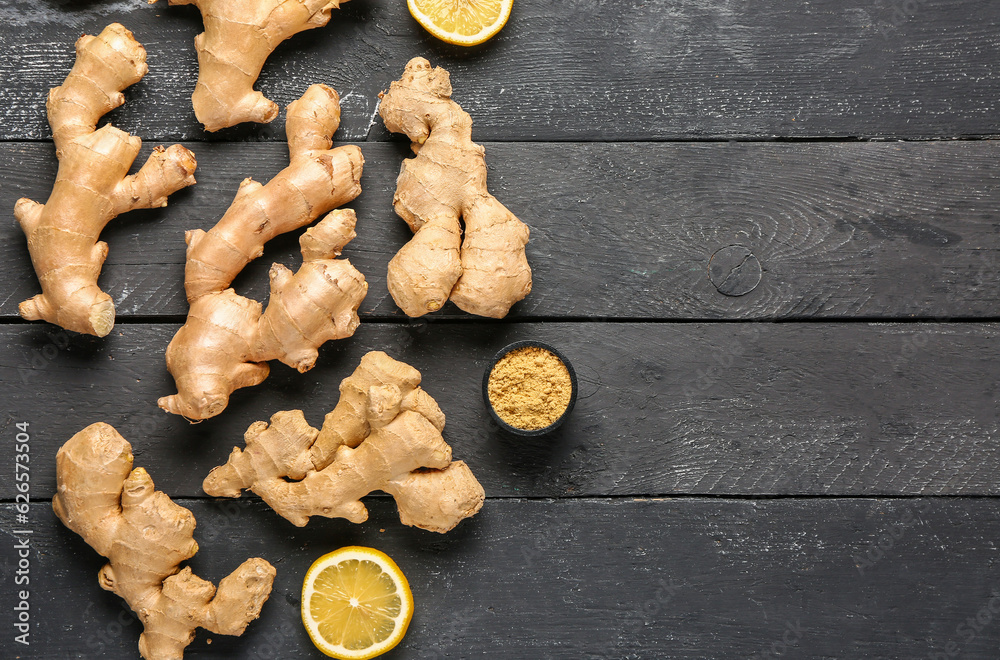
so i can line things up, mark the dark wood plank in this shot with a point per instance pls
(586, 71)
(722, 409)
(689, 578)
(623, 230)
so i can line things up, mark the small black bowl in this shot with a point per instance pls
(486, 389)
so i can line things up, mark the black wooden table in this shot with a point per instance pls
(803, 466)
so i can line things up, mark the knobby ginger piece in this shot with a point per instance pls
(145, 537)
(443, 186)
(239, 36)
(227, 339)
(92, 185)
(384, 434)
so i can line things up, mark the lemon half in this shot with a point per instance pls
(461, 22)
(356, 603)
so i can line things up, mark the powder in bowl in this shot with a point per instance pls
(530, 388)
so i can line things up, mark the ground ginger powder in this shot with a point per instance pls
(530, 388)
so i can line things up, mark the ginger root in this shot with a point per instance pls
(443, 184)
(238, 38)
(145, 537)
(92, 185)
(384, 434)
(227, 340)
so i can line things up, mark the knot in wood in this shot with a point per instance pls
(734, 270)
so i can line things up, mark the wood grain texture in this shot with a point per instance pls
(592, 114)
(689, 578)
(722, 409)
(630, 70)
(621, 230)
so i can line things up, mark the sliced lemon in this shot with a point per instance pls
(461, 22)
(356, 603)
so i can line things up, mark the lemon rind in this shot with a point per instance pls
(482, 36)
